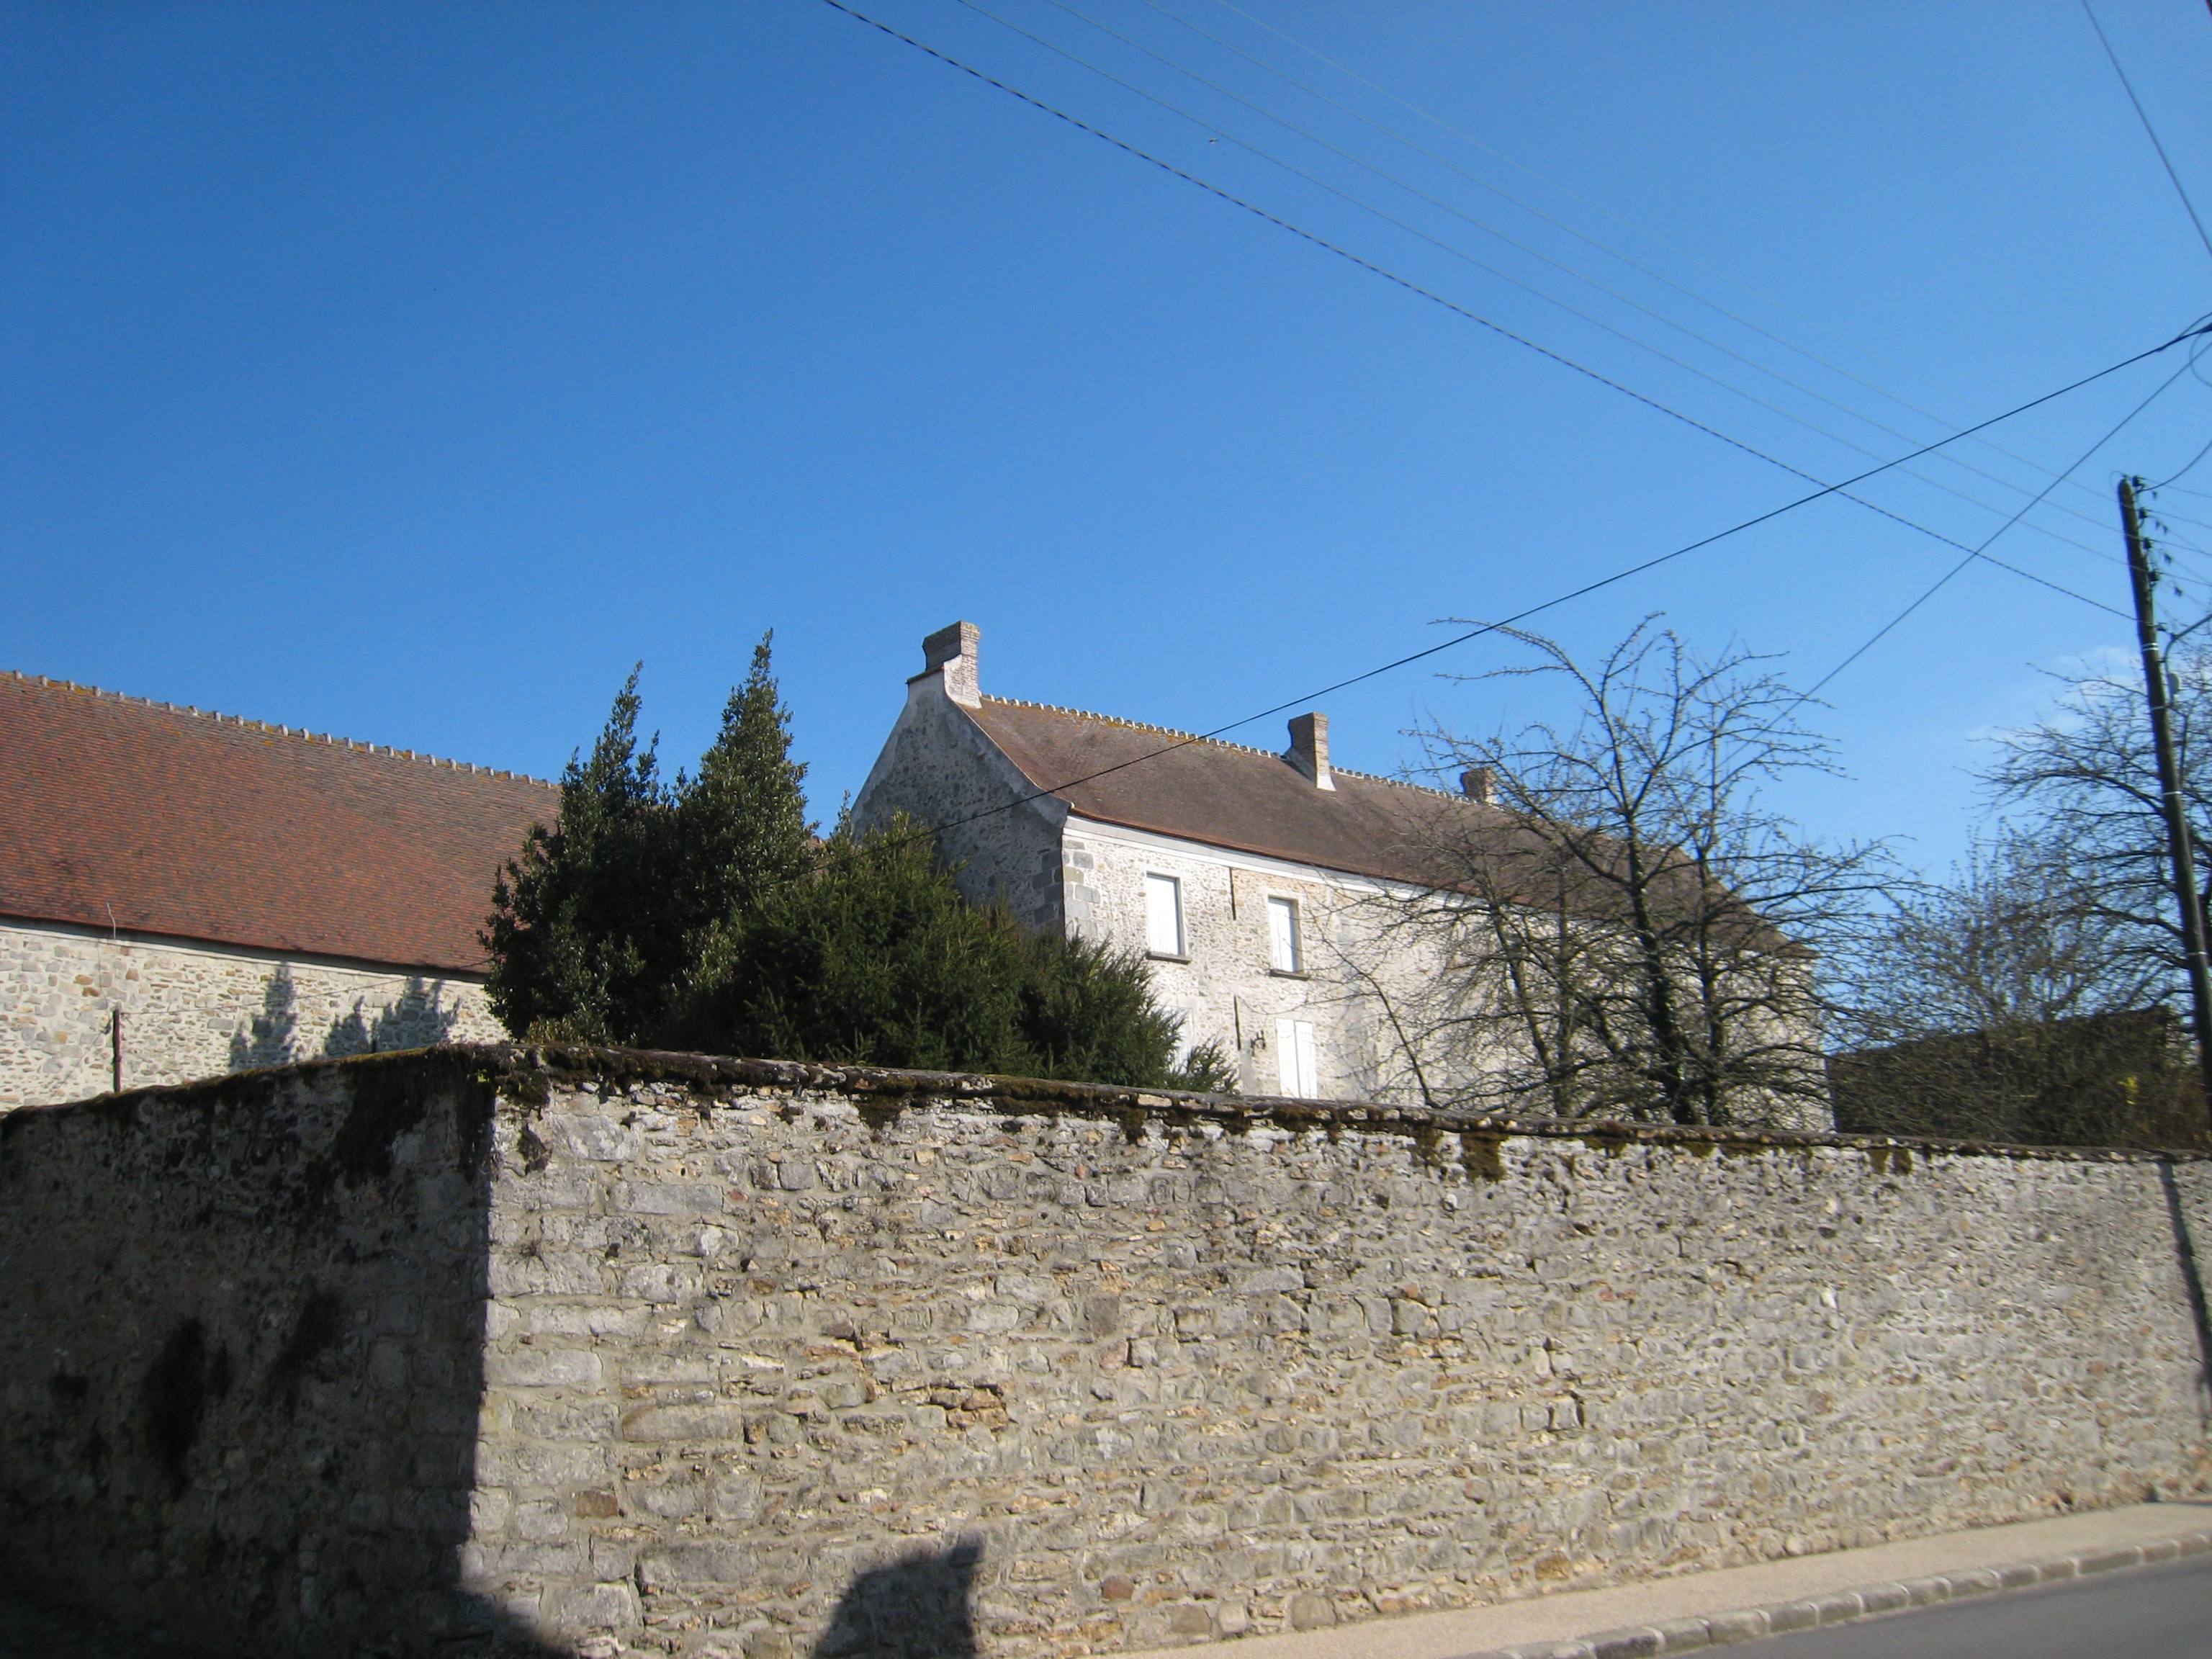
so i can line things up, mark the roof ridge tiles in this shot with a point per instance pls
(1218, 743)
(301, 733)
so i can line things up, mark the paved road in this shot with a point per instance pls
(2143, 1613)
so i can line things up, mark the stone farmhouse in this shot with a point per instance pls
(184, 893)
(1247, 878)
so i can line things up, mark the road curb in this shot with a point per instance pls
(1843, 1607)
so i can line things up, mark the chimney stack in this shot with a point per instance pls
(951, 651)
(1310, 749)
(1479, 783)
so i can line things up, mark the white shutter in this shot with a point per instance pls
(1283, 935)
(1309, 1071)
(1164, 916)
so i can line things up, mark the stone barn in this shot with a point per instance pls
(185, 893)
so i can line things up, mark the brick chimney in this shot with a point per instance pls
(952, 652)
(1310, 749)
(1479, 783)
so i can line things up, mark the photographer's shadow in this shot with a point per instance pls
(916, 1608)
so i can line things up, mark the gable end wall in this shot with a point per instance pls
(939, 768)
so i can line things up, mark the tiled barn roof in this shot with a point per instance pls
(1223, 794)
(202, 826)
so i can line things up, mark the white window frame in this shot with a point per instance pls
(1165, 936)
(1298, 1067)
(1286, 949)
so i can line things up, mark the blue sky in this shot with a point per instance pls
(409, 371)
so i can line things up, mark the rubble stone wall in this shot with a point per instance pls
(777, 1360)
(240, 1353)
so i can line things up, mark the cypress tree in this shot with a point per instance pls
(740, 826)
(580, 917)
(874, 959)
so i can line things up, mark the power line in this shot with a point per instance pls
(1460, 253)
(1524, 247)
(1306, 699)
(1635, 264)
(2143, 116)
(1656, 240)
(1944, 580)
(1454, 306)
(2198, 328)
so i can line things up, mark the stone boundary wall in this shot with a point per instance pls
(241, 1354)
(194, 1011)
(769, 1360)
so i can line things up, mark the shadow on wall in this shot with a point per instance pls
(226, 1418)
(417, 1018)
(268, 1039)
(917, 1607)
(2192, 1279)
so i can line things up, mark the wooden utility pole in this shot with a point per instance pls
(2179, 841)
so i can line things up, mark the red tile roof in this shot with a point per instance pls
(1224, 794)
(208, 827)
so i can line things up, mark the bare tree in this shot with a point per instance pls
(1633, 931)
(2018, 935)
(2012, 1002)
(2089, 777)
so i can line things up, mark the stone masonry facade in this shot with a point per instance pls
(1348, 979)
(598, 1353)
(194, 1010)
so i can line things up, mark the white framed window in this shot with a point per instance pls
(1164, 916)
(1295, 1059)
(1283, 949)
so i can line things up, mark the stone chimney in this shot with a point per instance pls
(952, 652)
(1310, 749)
(1479, 783)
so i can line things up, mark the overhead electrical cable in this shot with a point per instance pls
(1607, 249)
(1656, 240)
(2199, 328)
(1460, 254)
(1306, 700)
(1658, 316)
(1940, 582)
(1835, 437)
(2144, 115)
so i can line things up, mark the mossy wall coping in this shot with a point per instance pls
(527, 1073)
